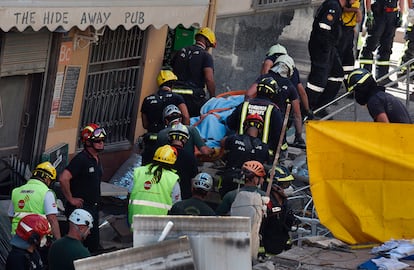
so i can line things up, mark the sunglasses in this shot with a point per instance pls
(98, 141)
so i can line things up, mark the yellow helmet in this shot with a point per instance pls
(45, 169)
(165, 154)
(208, 34)
(166, 76)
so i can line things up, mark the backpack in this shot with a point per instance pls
(249, 204)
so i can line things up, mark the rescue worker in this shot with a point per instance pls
(279, 219)
(350, 17)
(248, 201)
(201, 184)
(172, 115)
(186, 164)
(155, 186)
(69, 248)
(239, 148)
(81, 180)
(383, 17)
(382, 106)
(262, 104)
(409, 44)
(152, 111)
(31, 232)
(153, 105)
(194, 68)
(281, 72)
(35, 197)
(326, 74)
(274, 52)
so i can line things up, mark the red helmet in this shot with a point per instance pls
(254, 167)
(91, 132)
(253, 120)
(32, 228)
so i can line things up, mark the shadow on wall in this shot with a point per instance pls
(242, 42)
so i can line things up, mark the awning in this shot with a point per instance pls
(60, 14)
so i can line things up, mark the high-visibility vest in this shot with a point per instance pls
(149, 197)
(28, 199)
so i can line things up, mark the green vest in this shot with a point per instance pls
(28, 199)
(149, 197)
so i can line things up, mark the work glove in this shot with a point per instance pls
(369, 21)
(309, 115)
(410, 16)
(398, 21)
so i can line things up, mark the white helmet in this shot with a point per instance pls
(276, 49)
(284, 65)
(81, 217)
(202, 181)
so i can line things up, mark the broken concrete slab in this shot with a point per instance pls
(170, 254)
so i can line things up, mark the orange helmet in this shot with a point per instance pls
(254, 167)
(32, 228)
(92, 131)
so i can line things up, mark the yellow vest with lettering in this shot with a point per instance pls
(28, 199)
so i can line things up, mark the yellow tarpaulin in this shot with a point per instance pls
(362, 179)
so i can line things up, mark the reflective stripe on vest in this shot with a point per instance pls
(152, 204)
(267, 118)
(182, 91)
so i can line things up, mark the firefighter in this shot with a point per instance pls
(194, 67)
(262, 104)
(239, 148)
(326, 73)
(153, 105)
(382, 106)
(350, 17)
(282, 71)
(274, 52)
(383, 17)
(409, 45)
(152, 111)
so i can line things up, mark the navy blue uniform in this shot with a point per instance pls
(381, 36)
(153, 107)
(326, 73)
(288, 93)
(86, 184)
(188, 64)
(272, 119)
(382, 102)
(239, 149)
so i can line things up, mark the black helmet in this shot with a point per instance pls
(362, 82)
(268, 87)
